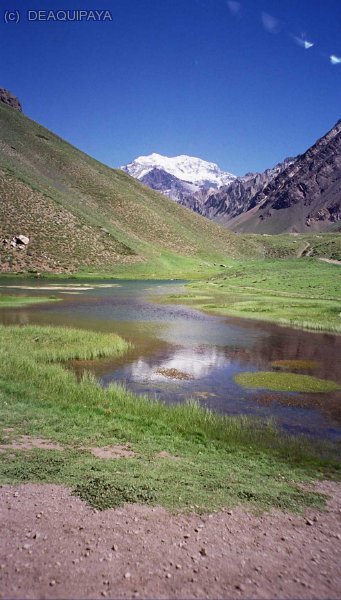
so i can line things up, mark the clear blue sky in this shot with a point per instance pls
(180, 77)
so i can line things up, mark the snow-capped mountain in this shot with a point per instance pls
(200, 173)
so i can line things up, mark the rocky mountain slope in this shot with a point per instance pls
(8, 98)
(305, 196)
(298, 195)
(201, 186)
(234, 199)
(80, 214)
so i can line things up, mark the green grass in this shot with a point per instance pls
(7, 301)
(84, 216)
(303, 293)
(221, 460)
(87, 219)
(286, 382)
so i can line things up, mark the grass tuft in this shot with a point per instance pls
(225, 460)
(286, 382)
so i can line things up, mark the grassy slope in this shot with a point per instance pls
(62, 199)
(219, 460)
(302, 293)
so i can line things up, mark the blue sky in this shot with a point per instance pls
(225, 82)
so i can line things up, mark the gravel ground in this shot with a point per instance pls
(53, 545)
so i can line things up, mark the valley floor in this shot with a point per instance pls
(84, 472)
(54, 546)
(303, 293)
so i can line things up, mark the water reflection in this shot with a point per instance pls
(209, 349)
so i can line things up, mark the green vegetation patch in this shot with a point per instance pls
(297, 292)
(7, 301)
(295, 365)
(225, 461)
(285, 382)
(49, 344)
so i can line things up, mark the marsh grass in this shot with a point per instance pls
(222, 460)
(285, 382)
(301, 293)
(8, 301)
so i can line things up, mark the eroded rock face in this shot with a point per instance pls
(312, 184)
(8, 98)
(232, 200)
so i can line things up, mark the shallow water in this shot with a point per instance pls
(209, 349)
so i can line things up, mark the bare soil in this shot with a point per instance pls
(52, 545)
(112, 452)
(26, 442)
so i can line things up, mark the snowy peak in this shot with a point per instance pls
(190, 169)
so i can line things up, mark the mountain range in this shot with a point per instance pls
(300, 194)
(62, 211)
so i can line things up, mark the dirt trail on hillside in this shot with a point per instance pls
(331, 261)
(52, 545)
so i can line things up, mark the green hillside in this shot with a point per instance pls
(82, 215)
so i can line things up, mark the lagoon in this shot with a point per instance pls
(180, 353)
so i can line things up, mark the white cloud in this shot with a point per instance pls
(234, 7)
(270, 23)
(304, 43)
(335, 60)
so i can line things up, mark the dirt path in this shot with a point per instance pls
(54, 546)
(331, 261)
(305, 251)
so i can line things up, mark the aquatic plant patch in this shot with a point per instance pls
(224, 461)
(286, 382)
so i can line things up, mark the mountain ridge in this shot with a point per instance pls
(300, 194)
(305, 196)
(81, 214)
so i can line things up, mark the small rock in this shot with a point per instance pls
(52, 582)
(168, 575)
(203, 552)
(187, 536)
(104, 593)
(309, 522)
(239, 587)
(178, 567)
(114, 547)
(127, 575)
(16, 494)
